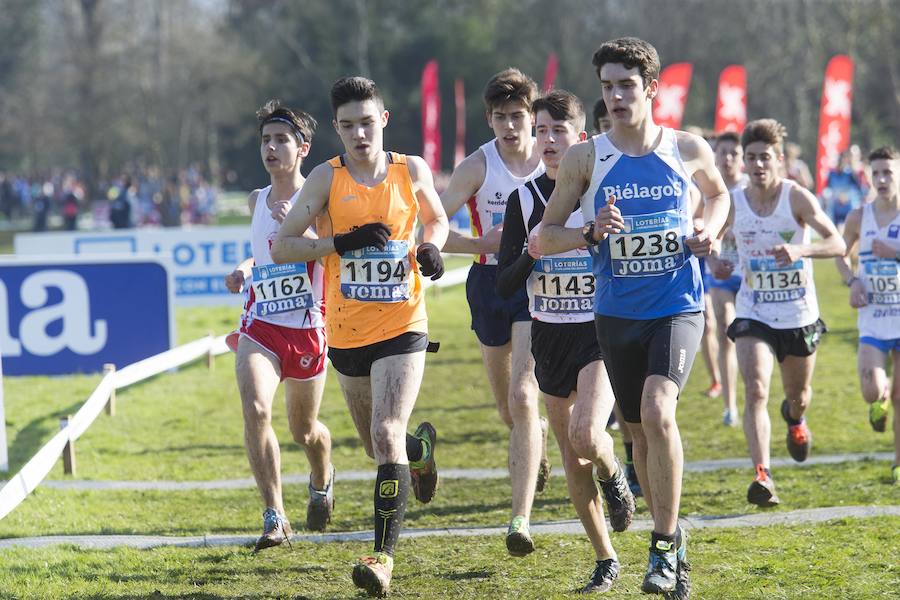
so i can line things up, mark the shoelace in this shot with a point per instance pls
(799, 433)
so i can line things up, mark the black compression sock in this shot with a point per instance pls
(391, 493)
(628, 449)
(414, 450)
(659, 537)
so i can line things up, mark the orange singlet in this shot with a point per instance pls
(373, 295)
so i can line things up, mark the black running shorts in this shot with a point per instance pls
(799, 341)
(634, 349)
(357, 362)
(561, 351)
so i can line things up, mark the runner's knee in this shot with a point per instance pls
(388, 438)
(591, 442)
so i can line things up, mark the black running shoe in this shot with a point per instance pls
(762, 491)
(424, 477)
(619, 500)
(605, 574)
(799, 437)
(682, 589)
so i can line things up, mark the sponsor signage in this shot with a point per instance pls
(200, 256)
(61, 315)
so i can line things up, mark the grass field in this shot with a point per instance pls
(187, 426)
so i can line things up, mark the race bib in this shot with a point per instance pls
(770, 282)
(372, 275)
(649, 245)
(280, 289)
(881, 280)
(562, 285)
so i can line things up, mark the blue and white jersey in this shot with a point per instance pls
(646, 271)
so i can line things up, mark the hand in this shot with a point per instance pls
(720, 269)
(280, 211)
(490, 241)
(608, 220)
(430, 262)
(234, 281)
(700, 244)
(786, 254)
(883, 250)
(370, 234)
(534, 249)
(858, 297)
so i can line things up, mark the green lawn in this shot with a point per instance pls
(846, 559)
(187, 426)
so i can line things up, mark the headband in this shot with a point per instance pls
(293, 127)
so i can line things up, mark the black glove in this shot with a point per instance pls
(430, 261)
(370, 234)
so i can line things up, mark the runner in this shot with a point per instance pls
(568, 363)
(875, 291)
(635, 181)
(602, 124)
(366, 203)
(777, 314)
(282, 334)
(722, 282)
(484, 181)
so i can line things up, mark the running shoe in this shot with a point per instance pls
(321, 505)
(276, 530)
(373, 574)
(714, 390)
(605, 574)
(662, 567)
(730, 418)
(543, 476)
(423, 474)
(633, 484)
(682, 589)
(762, 491)
(799, 437)
(518, 538)
(619, 499)
(895, 474)
(878, 414)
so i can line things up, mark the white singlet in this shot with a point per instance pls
(289, 295)
(781, 297)
(880, 318)
(488, 205)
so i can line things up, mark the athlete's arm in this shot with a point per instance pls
(572, 180)
(234, 281)
(291, 245)
(722, 269)
(513, 265)
(852, 228)
(701, 164)
(464, 183)
(431, 212)
(807, 211)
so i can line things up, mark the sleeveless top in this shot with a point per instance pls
(880, 318)
(561, 286)
(289, 295)
(373, 295)
(646, 271)
(782, 297)
(487, 206)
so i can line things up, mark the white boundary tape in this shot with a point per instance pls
(35, 470)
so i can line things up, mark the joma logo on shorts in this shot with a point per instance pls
(682, 355)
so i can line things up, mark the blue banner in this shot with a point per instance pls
(62, 316)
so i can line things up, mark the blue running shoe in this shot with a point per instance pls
(602, 579)
(276, 530)
(662, 566)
